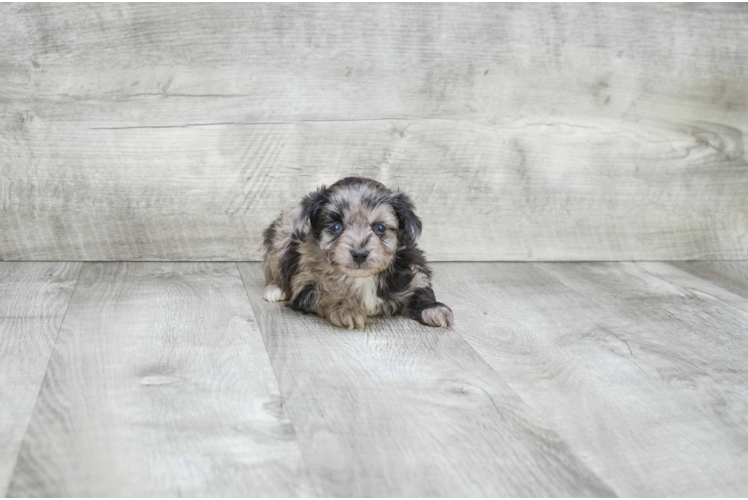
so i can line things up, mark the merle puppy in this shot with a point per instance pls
(349, 251)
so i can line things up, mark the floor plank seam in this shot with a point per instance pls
(44, 379)
(307, 470)
(529, 404)
(690, 290)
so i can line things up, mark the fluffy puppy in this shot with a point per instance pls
(347, 252)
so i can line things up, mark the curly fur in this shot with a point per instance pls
(313, 267)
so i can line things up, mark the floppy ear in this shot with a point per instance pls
(409, 223)
(304, 216)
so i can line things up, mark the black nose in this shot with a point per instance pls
(360, 255)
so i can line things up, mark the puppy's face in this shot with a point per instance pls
(359, 225)
(357, 238)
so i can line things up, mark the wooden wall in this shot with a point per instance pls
(523, 132)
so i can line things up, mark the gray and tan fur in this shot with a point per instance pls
(347, 252)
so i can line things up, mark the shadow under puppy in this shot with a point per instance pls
(349, 251)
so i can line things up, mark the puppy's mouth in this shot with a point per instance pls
(363, 270)
(358, 271)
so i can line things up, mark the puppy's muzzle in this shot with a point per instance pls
(359, 255)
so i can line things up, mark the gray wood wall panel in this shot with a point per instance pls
(523, 132)
(33, 299)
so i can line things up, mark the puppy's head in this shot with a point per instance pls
(358, 224)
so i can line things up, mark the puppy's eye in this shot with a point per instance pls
(379, 228)
(336, 228)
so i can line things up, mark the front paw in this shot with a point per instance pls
(348, 317)
(274, 293)
(437, 315)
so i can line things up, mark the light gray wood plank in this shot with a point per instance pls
(647, 383)
(405, 410)
(33, 299)
(484, 192)
(693, 336)
(730, 275)
(160, 385)
(345, 61)
(523, 132)
(694, 286)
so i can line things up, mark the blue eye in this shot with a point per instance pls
(379, 228)
(336, 228)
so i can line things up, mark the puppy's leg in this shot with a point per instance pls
(273, 290)
(426, 310)
(271, 262)
(274, 293)
(347, 314)
(307, 300)
(339, 311)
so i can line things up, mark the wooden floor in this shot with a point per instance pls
(177, 379)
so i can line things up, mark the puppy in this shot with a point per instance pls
(347, 252)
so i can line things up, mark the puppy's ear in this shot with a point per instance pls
(409, 223)
(304, 216)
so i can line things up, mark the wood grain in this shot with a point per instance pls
(511, 192)
(159, 386)
(731, 275)
(523, 132)
(33, 300)
(405, 410)
(345, 61)
(645, 381)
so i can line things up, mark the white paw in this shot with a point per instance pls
(273, 293)
(348, 318)
(438, 315)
